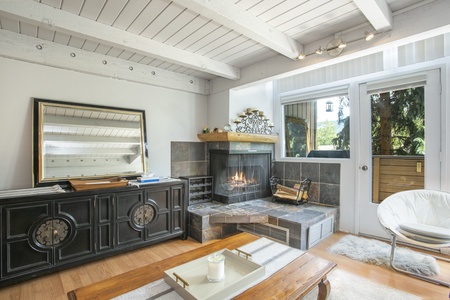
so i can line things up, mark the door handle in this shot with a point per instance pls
(365, 168)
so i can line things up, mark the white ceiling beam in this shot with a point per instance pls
(38, 14)
(377, 12)
(24, 48)
(232, 16)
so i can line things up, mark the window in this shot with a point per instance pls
(318, 127)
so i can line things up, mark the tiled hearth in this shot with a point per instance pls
(213, 220)
(281, 221)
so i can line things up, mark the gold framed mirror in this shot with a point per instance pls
(79, 141)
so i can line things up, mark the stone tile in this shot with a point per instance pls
(305, 216)
(311, 171)
(292, 171)
(330, 173)
(262, 229)
(278, 169)
(278, 234)
(259, 219)
(195, 234)
(295, 243)
(229, 229)
(179, 151)
(273, 220)
(197, 151)
(198, 168)
(212, 234)
(178, 169)
(294, 227)
(329, 194)
(314, 192)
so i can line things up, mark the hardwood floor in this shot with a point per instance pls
(56, 286)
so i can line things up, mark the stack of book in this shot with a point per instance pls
(148, 178)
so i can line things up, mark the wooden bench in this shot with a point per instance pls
(293, 281)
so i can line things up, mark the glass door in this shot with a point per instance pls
(398, 152)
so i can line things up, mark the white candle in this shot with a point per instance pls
(216, 267)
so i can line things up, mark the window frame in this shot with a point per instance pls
(307, 96)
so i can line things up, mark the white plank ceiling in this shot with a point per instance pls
(180, 40)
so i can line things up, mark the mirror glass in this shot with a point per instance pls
(297, 137)
(78, 141)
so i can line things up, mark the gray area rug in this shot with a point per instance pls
(378, 253)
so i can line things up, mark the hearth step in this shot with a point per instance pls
(238, 218)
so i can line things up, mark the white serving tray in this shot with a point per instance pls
(239, 273)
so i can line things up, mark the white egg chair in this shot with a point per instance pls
(420, 218)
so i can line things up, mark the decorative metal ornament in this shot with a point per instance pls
(143, 215)
(253, 121)
(52, 232)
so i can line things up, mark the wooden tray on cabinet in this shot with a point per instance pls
(93, 184)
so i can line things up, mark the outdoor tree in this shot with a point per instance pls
(342, 141)
(326, 133)
(398, 122)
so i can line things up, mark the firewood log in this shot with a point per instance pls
(287, 189)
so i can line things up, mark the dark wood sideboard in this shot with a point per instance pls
(47, 233)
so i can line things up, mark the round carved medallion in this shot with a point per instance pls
(52, 232)
(143, 215)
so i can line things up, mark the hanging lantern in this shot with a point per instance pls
(329, 106)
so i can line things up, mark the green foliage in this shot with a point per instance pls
(342, 141)
(326, 133)
(406, 121)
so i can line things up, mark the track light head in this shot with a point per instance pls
(369, 36)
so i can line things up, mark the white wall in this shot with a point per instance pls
(218, 110)
(171, 115)
(224, 107)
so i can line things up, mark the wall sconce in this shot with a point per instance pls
(329, 106)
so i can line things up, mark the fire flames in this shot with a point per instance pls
(239, 180)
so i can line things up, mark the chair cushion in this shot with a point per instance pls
(426, 230)
(423, 238)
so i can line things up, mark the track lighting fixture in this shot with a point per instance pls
(335, 47)
(342, 45)
(369, 36)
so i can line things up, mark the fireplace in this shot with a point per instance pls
(240, 175)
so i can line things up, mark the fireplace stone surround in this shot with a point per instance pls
(192, 158)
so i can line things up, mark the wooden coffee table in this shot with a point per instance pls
(293, 281)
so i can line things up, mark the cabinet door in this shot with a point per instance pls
(178, 207)
(128, 209)
(158, 203)
(78, 215)
(21, 251)
(105, 223)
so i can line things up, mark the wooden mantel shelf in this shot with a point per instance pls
(237, 137)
